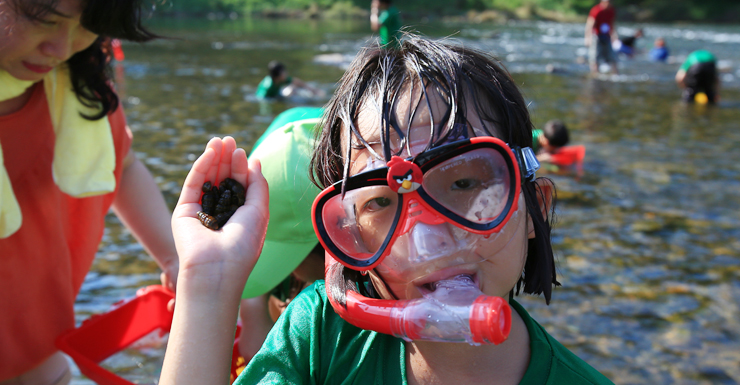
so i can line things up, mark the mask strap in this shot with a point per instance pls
(528, 163)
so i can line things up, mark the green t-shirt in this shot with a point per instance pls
(270, 89)
(311, 344)
(390, 25)
(536, 140)
(700, 56)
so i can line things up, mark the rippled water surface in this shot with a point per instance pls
(648, 234)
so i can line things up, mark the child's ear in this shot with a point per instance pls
(545, 193)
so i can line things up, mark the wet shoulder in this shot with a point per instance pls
(551, 362)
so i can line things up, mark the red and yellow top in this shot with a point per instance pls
(43, 264)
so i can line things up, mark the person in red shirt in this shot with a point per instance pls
(51, 224)
(599, 35)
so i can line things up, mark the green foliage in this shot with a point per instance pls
(690, 10)
(658, 10)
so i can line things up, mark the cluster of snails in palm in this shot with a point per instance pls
(220, 202)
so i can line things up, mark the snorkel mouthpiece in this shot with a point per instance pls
(455, 311)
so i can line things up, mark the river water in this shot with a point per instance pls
(647, 238)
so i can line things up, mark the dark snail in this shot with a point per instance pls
(220, 203)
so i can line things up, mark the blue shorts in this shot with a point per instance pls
(601, 51)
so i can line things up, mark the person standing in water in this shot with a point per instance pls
(65, 160)
(386, 20)
(600, 24)
(699, 78)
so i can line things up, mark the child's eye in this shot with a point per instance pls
(464, 184)
(376, 204)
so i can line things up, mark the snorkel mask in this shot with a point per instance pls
(413, 217)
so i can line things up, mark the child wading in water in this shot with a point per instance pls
(430, 204)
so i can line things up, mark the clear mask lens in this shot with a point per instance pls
(474, 185)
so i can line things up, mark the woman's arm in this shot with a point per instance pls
(214, 266)
(139, 204)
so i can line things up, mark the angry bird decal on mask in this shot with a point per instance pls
(403, 176)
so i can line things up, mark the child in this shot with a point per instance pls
(479, 229)
(627, 45)
(292, 257)
(699, 78)
(386, 20)
(65, 160)
(550, 139)
(550, 145)
(278, 83)
(660, 51)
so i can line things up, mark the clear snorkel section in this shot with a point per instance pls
(457, 311)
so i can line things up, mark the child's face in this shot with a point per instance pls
(495, 263)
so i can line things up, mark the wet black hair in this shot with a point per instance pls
(461, 77)
(90, 68)
(275, 68)
(556, 133)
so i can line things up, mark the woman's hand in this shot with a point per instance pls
(221, 259)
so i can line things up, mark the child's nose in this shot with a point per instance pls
(432, 240)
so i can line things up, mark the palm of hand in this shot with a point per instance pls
(232, 251)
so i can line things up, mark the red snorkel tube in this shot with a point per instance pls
(455, 312)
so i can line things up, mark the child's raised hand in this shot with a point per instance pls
(224, 258)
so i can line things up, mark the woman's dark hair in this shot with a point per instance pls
(464, 79)
(90, 69)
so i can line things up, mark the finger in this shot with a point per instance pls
(239, 166)
(224, 168)
(165, 281)
(171, 305)
(216, 144)
(191, 189)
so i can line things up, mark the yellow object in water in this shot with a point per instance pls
(701, 98)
